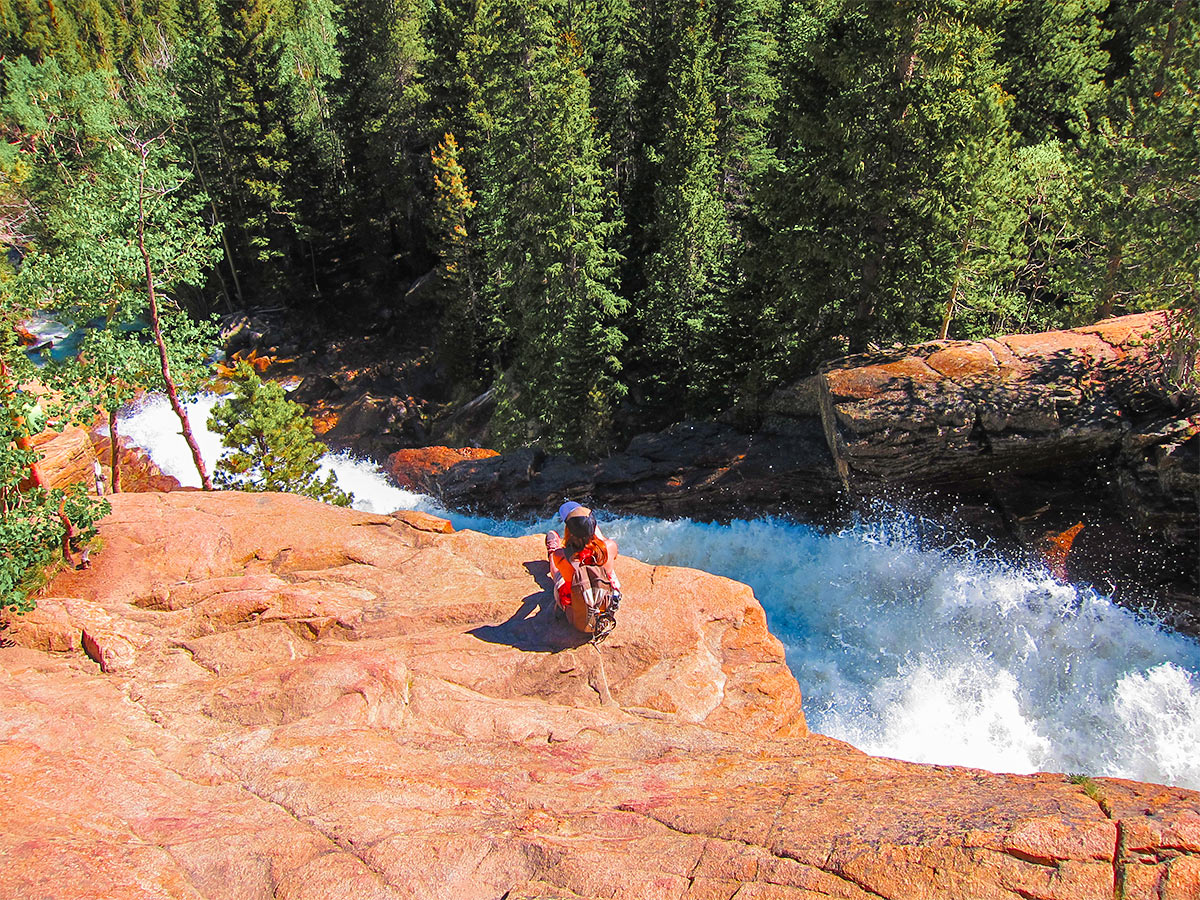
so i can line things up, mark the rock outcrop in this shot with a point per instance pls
(256, 696)
(1020, 436)
(412, 468)
(65, 457)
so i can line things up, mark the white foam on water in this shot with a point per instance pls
(952, 655)
(362, 478)
(1157, 728)
(941, 656)
(151, 423)
(47, 328)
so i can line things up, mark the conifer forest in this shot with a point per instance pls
(613, 214)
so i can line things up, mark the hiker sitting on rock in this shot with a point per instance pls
(584, 554)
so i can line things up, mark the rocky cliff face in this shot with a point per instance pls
(257, 696)
(1019, 437)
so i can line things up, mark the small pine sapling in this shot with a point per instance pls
(272, 441)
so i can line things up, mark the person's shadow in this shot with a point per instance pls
(534, 626)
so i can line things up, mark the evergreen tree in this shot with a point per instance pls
(42, 30)
(453, 203)
(1054, 60)
(681, 312)
(547, 225)
(309, 67)
(884, 206)
(608, 48)
(252, 138)
(272, 442)
(378, 99)
(1141, 190)
(746, 91)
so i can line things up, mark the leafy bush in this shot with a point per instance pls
(31, 517)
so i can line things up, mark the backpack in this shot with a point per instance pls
(593, 607)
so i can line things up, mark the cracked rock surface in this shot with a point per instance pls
(308, 702)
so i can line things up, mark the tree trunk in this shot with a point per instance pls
(156, 328)
(865, 310)
(1178, 11)
(1104, 308)
(962, 261)
(114, 450)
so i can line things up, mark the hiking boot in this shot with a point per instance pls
(553, 542)
(605, 623)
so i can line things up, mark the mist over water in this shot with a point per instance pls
(946, 655)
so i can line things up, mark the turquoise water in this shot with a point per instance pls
(947, 655)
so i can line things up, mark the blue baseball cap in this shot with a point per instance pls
(567, 508)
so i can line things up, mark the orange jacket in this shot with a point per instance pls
(559, 558)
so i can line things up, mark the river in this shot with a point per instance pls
(905, 643)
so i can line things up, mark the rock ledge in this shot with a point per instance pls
(257, 696)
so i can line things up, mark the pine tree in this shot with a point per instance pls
(36, 29)
(252, 138)
(608, 48)
(1054, 60)
(309, 67)
(378, 98)
(547, 226)
(681, 311)
(745, 94)
(272, 442)
(453, 204)
(1141, 150)
(886, 203)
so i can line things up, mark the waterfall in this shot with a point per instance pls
(929, 650)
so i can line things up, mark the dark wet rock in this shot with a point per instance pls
(703, 469)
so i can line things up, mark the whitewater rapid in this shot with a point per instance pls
(943, 654)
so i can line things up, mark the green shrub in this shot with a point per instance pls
(273, 443)
(31, 527)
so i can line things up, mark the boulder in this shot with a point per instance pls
(66, 457)
(327, 703)
(70, 457)
(958, 411)
(699, 469)
(416, 469)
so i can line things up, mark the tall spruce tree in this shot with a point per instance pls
(893, 127)
(379, 99)
(608, 46)
(1054, 60)
(251, 134)
(681, 308)
(1142, 193)
(452, 206)
(746, 90)
(547, 224)
(309, 66)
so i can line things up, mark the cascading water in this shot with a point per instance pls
(940, 656)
